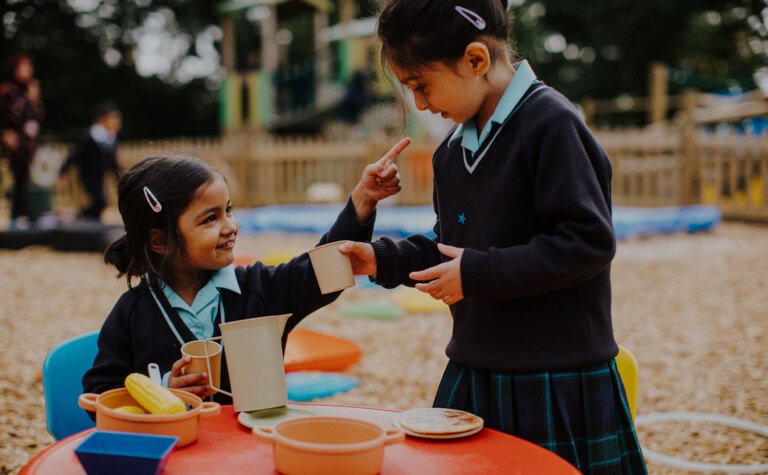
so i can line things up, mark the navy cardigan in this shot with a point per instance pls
(534, 219)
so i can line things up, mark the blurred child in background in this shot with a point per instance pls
(95, 155)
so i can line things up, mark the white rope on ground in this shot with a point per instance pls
(702, 417)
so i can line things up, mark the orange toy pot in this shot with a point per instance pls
(321, 445)
(183, 425)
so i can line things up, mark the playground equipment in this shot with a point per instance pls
(292, 77)
(307, 350)
(684, 464)
(628, 370)
(415, 301)
(308, 385)
(381, 308)
(80, 236)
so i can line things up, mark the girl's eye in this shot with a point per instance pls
(229, 209)
(210, 219)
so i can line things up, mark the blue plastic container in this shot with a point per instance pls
(117, 453)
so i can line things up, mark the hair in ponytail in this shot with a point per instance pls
(116, 254)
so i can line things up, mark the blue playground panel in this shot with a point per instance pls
(629, 222)
(308, 385)
(398, 221)
(402, 221)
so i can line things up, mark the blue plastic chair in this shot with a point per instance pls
(63, 371)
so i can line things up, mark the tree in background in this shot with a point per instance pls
(602, 49)
(156, 59)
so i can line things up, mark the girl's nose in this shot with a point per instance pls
(421, 102)
(231, 226)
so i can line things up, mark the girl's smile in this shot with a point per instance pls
(227, 245)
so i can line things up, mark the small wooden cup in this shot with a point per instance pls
(332, 268)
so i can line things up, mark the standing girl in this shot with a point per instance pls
(180, 239)
(524, 238)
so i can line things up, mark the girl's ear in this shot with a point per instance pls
(157, 241)
(478, 58)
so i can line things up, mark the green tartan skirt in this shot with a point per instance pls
(580, 414)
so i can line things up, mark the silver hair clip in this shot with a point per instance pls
(152, 201)
(472, 17)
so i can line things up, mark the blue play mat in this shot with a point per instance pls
(402, 221)
(308, 385)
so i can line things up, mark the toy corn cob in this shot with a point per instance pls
(152, 396)
(130, 410)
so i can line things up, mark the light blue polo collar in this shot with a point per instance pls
(225, 278)
(517, 87)
(221, 279)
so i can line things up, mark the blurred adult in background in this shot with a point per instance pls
(355, 98)
(95, 155)
(21, 112)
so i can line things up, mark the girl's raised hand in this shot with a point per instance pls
(362, 257)
(379, 180)
(188, 382)
(444, 279)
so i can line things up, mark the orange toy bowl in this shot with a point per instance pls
(184, 425)
(321, 445)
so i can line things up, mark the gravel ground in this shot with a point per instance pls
(692, 308)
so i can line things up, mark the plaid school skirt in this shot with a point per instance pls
(582, 415)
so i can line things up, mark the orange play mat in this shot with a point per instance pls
(313, 351)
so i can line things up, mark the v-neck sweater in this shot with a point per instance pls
(534, 220)
(143, 328)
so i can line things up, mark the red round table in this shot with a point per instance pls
(226, 446)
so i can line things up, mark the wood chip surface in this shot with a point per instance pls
(692, 308)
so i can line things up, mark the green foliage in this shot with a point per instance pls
(609, 45)
(85, 52)
(69, 48)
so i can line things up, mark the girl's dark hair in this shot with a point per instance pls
(174, 181)
(414, 33)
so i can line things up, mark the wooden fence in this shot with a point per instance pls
(651, 167)
(732, 172)
(647, 167)
(263, 169)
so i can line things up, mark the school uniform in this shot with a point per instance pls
(144, 327)
(532, 348)
(95, 155)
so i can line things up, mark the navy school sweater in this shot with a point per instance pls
(534, 219)
(136, 333)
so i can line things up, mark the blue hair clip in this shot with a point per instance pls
(153, 202)
(472, 17)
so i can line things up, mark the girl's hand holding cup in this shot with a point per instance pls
(195, 383)
(361, 256)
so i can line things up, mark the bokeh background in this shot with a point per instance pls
(287, 97)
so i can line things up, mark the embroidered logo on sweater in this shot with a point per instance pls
(462, 218)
